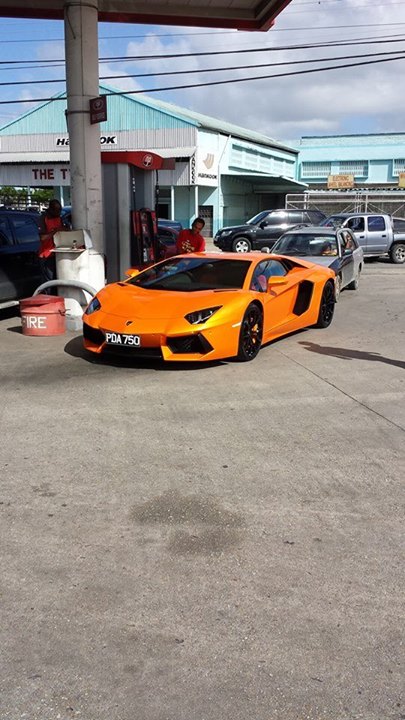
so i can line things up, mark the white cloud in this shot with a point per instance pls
(336, 101)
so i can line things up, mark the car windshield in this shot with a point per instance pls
(190, 274)
(306, 245)
(333, 221)
(258, 218)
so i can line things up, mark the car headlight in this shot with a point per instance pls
(201, 316)
(92, 306)
(224, 232)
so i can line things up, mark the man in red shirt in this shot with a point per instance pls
(190, 241)
(50, 222)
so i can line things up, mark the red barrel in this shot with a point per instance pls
(43, 315)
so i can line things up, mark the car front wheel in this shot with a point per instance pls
(397, 253)
(241, 245)
(251, 333)
(326, 306)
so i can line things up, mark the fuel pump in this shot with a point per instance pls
(144, 238)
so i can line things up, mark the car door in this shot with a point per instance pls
(270, 229)
(358, 227)
(347, 269)
(25, 232)
(278, 303)
(377, 235)
(8, 290)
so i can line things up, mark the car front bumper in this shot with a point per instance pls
(193, 344)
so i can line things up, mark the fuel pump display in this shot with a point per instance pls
(144, 240)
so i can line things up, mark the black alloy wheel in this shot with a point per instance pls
(251, 333)
(327, 306)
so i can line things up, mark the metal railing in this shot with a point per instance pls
(328, 202)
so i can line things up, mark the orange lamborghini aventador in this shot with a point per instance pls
(209, 306)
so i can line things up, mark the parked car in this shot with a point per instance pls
(171, 224)
(264, 229)
(337, 249)
(375, 232)
(19, 243)
(201, 308)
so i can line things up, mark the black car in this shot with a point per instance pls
(264, 229)
(19, 244)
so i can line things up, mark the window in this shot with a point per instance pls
(25, 229)
(315, 169)
(276, 219)
(376, 223)
(356, 224)
(398, 167)
(295, 217)
(358, 168)
(265, 270)
(5, 234)
(315, 216)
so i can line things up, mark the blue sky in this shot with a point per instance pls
(363, 99)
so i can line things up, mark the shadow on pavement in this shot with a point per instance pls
(75, 348)
(346, 354)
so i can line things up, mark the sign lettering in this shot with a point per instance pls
(30, 321)
(104, 140)
(340, 181)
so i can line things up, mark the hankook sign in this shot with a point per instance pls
(104, 140)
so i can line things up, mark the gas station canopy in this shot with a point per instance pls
(238, 14)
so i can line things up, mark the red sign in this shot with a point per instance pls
(140, 158)
(98, 109)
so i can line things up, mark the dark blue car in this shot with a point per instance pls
(19, 244)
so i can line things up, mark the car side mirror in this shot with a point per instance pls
(275, 281)
(347, 251)
(263, 224)
(132, 272)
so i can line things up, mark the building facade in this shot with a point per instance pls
(375, 161)
(221, 171)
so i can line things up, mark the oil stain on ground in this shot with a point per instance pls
(201, 525)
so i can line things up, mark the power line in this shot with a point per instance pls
(166, 56)
(209, 70)
(196, 34)
(213, 82)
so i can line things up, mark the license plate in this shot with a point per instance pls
(113, 338)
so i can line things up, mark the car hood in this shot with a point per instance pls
(124, 299)
(235, 228)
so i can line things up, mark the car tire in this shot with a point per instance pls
(397, 253)
(241, 245)
(326, 306)
(354, 285)
(338, 287)
(251, 333)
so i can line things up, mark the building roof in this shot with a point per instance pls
(210, 123)
(53, 119)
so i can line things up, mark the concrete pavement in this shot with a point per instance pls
(207, 543)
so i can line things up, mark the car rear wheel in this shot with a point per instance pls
(251, 333)
(327, 306)
(241, 245)
(354, 285)
(397, 253)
